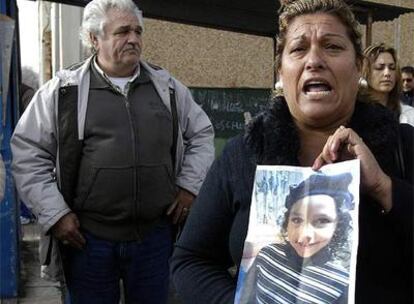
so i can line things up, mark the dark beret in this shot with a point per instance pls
(335, 186)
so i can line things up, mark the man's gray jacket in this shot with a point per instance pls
(35, 145)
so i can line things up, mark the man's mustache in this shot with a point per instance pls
(131, 47)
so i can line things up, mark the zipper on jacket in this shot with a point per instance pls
(135, 167)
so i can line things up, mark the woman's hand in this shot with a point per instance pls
(345, 144)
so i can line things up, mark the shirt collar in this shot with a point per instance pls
(106, 77)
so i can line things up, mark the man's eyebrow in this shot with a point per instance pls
(123, 27)
(128, 27)
(299, 37)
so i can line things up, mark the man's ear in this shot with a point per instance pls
(94, 41)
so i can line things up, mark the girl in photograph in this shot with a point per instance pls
(307, 267)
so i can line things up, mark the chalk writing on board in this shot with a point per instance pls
(229, 125)
(230, 109)
(224, 106)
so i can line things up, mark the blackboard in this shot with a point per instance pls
(229, 108)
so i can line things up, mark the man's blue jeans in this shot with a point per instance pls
(93, 274)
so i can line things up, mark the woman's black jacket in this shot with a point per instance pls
(213, 237)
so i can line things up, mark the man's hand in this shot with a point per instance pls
(66, 230)
(181, 206)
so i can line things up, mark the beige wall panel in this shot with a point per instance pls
(406, 40)
(398, 34)
(383, 32)
(202, 57)
(406, 3)
(403, 3)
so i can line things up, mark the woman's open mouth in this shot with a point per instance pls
(317, 88)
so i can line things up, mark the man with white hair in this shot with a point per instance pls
(109, 155)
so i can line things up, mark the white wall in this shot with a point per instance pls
(29, 34)
(63, 21)
(66, 45)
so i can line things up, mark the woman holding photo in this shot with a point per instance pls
(319, 120)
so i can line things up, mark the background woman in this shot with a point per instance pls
(382, 72)
(318, 121)
(306, 268)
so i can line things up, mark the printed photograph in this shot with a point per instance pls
(302, 237)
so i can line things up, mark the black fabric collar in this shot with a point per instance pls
(273, 137)
(97, 81)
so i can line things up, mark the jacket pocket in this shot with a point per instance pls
(107, 193)
(156, 190)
